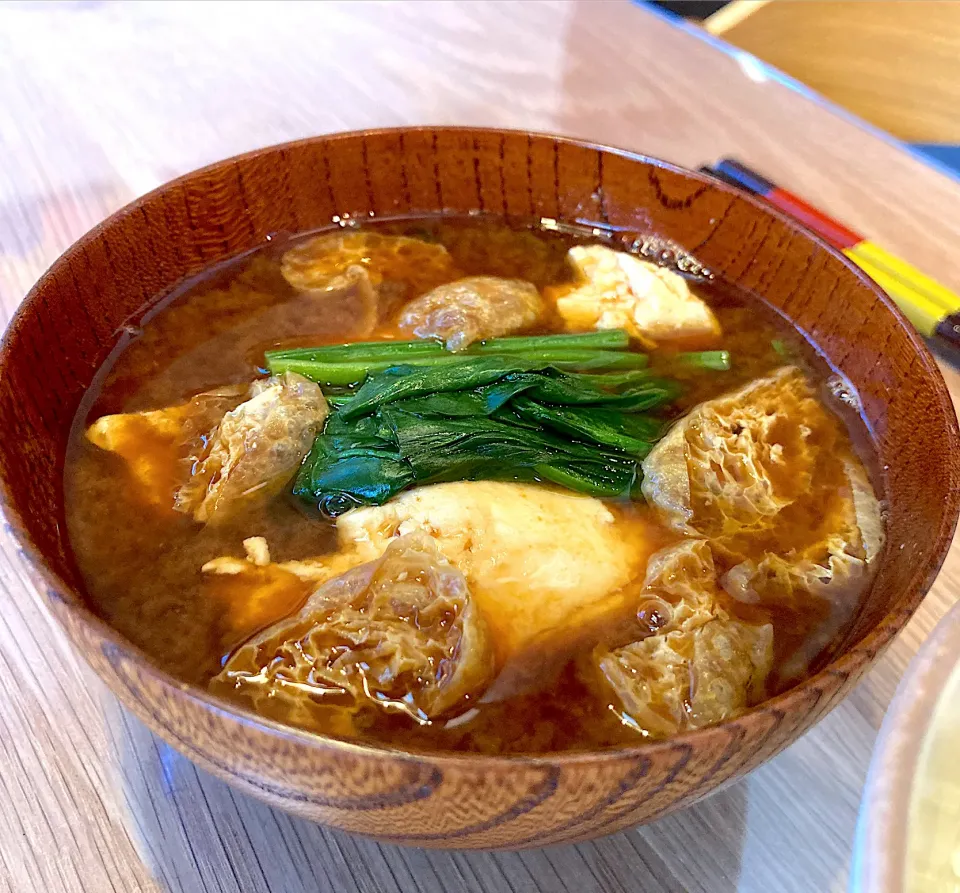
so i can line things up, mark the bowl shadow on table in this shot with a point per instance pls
(196, 833)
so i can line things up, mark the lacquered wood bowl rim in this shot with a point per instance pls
(863, 652)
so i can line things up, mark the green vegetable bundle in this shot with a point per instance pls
(522, 409)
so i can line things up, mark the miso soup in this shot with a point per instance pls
(451, 484)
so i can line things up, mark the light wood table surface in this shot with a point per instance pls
(100, 102)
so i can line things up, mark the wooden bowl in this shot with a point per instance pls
(908, 834)
(69, 323)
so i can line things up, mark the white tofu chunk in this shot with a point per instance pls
(548, 570)
(619, 291)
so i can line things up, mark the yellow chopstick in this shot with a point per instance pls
(879, 258)
(924, 312)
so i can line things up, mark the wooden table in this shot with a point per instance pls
(100, 102)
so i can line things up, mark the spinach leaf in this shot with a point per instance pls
(630, 432)
(401, 382)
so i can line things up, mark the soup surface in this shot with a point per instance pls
(501, 564)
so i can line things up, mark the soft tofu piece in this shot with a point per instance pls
(250, 602)
(544, 567)
(207, 456)
(701, 666)
(473, 309)
(255, 592)
(619, 291)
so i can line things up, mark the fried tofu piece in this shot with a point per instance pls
(833, 564)
(312, 264)
(384, 270)
(160, 446)
(208, 456)
(256, 448)
(700, 666)
(830, 567)
(381, 271)
(400, 633)
(616, 290)
(764, 464)
(677, 681)
(473, 309)
(732, 464)
(766, 475)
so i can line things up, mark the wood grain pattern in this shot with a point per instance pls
(896, 63)
(96, 803)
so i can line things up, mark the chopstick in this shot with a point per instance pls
(933, 309)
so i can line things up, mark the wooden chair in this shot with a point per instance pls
(895, 64)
